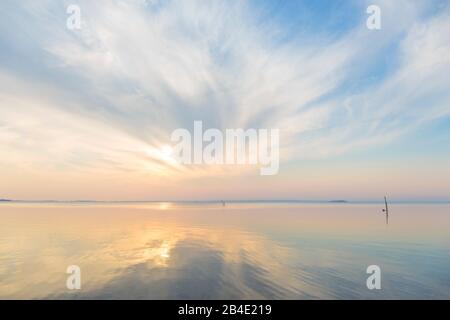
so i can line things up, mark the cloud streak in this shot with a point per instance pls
(108, 96)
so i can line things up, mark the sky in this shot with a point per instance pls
(88, 113)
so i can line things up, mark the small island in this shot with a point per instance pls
(338, 201)
(5, 200)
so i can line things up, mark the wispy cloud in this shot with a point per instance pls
(109, 95)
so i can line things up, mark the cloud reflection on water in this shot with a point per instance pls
(205, 252)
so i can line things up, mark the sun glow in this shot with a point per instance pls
(166, 151)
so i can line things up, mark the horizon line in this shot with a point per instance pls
(331, 201)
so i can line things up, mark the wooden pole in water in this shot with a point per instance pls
(386, 210)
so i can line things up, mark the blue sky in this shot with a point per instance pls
(102, 101)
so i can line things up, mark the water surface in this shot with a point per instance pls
(208, 251)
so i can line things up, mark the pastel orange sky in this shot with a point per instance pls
(88, 113)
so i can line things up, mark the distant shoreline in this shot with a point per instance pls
(288, 201)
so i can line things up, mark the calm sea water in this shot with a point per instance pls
(240, 251)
